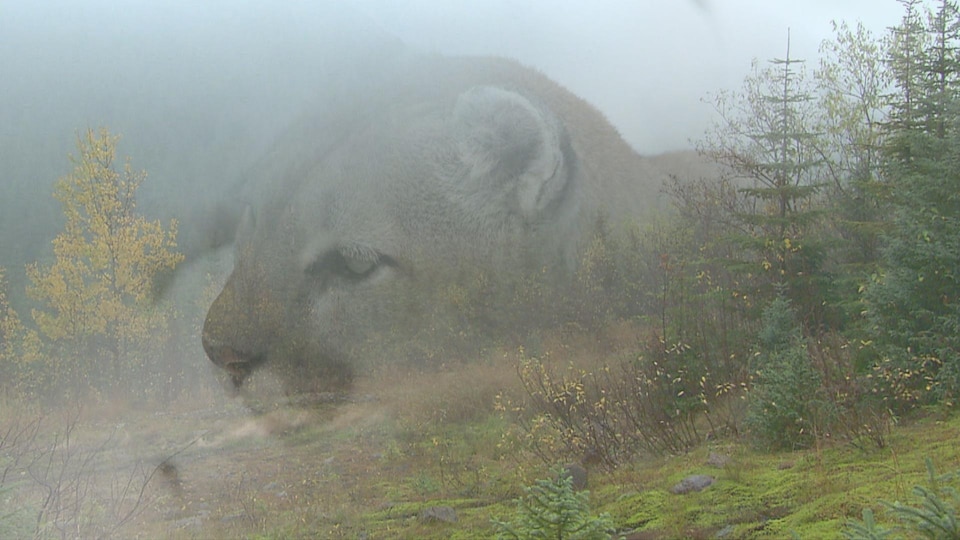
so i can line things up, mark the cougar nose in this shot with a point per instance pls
(238, 364)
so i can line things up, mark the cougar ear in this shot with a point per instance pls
(514, 152)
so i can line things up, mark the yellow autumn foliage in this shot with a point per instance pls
(95, 296)
(19, 346)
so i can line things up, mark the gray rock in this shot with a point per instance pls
(725, 532)
(694, 482)
(193, 522)
(718, 460)
(232, 517)
(443, 514)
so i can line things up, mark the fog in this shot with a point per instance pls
(645, 64)
(197, 89)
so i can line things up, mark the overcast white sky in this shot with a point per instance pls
(645, 63)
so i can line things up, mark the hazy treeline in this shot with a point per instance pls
(818, 278)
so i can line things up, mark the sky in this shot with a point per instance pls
(646, 64)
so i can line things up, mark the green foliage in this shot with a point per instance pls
(853, 83)
(912, 304)
(551, 509)
(783, 407)
(779, 330)
(9, 327)
(765, 137)
(934, 516)
(868, 529)
(615, 270)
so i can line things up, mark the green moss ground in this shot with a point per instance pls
(810, 493)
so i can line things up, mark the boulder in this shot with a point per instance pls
(443, 514)
(718, 460)
(694, 482)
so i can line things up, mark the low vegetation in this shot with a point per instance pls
(375, 467)
(551, 508)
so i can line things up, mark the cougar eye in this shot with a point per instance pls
(351, 262)
(358, 266)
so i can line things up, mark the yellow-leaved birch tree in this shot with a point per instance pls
(95, 297)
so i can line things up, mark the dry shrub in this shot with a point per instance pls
(68, 479)
(567, 413)
(861, 416)
(609, 412)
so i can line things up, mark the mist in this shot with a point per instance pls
(201, 93)
(197, 90)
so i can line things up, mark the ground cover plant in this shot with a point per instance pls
(377, 467)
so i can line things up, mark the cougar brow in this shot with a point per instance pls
(359, 252)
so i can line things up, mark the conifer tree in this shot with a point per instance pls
(551, 509)
(914, 302)
(782, 407)
(764, 136)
